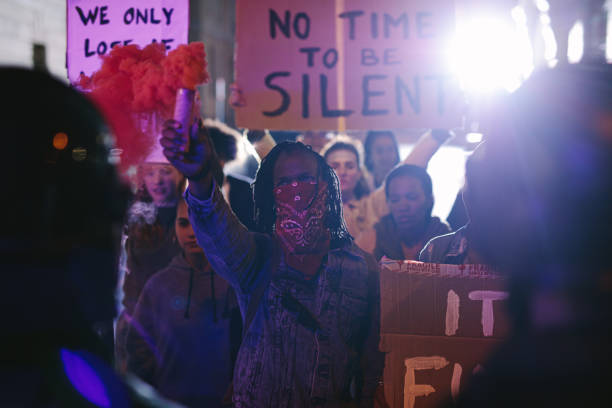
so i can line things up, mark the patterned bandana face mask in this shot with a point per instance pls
(300, 224)
(300, 212)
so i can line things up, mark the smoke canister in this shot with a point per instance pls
(183, 113)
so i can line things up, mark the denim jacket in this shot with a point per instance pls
(312, 343)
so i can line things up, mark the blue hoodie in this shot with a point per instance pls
(179, 338)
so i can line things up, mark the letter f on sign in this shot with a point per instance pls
(411, 388)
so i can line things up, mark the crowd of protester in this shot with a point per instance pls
(264, 292)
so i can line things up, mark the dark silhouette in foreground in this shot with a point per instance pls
(59, 243)
(540, 201)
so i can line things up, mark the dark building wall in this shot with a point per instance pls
(213, 22)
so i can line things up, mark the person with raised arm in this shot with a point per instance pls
(309, 297)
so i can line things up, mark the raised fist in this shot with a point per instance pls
(194, 163)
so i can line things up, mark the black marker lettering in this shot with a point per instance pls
(310, 51)
(303, 34)
(167, 41)
(286, 99)
(325, 111)
(389, 57)
(103, 19)
(423, 24)
(91, 16)
(374, 25)
(367, 94)
(305, 96)
(334, 58)
(368, 57)
(128, 16)
(414, 99)
(275, 20)
(87, 52)
(167, 14)
(153, 20)
(390, 21)
(351, 15)
(140, 16)
(101, 50)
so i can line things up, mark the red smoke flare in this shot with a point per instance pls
(133, 82)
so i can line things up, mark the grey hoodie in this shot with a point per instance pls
(179, 339)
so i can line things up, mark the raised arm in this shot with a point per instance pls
(233, 251)
(262, 141)
(427, 145)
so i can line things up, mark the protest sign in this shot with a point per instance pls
(438, 324)
(94, 27)
(345, 64)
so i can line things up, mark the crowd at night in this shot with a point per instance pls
(291, 254)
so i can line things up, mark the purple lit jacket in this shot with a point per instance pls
(312, 343)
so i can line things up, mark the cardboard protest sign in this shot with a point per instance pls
(94, 27)
(438, 325)
(345, 64)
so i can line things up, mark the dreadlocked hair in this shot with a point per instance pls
(263, 197)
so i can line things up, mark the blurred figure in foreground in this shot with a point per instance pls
(540, 199)
(59, 247)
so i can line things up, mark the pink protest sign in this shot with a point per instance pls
(345, 64)
(94, 27)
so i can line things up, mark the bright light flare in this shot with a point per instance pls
(575, 46)
(542, 5)
(489, 53)
(473, 137)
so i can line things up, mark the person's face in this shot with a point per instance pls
(184, 230)
(344, 163)
(161, 182)
(294, 167)
(407, 202)
(383, 154)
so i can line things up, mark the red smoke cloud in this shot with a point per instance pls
(135, 81)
